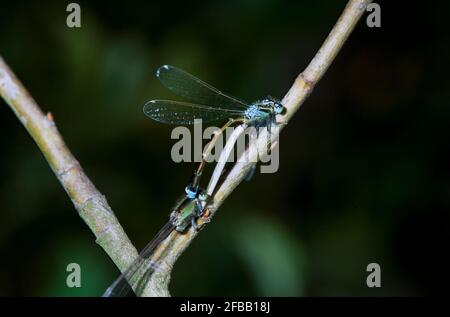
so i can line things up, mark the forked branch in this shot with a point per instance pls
(92, 205)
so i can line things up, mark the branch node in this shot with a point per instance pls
(307, 82)
(108, 232)
(61, 173)
(49, 121)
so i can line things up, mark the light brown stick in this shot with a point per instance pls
(89, 202)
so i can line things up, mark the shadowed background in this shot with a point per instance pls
(363, 165)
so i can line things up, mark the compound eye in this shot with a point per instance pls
(278, 108)
(190, 192)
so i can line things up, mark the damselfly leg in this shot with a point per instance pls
(208, 149)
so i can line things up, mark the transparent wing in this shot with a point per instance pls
(137, 275)
(175, 112)
(195, 90)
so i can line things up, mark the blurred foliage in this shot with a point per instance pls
(363, 175)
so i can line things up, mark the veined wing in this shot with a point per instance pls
(175, 112)
(137, 275)
(196, 90)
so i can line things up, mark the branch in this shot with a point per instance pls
(92, 205)
(169, 251)
(88, 201)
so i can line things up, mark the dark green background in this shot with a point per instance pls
(363, 165)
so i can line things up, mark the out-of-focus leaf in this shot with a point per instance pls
(94, 270)
(275, 258)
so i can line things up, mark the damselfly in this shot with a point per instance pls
(185, 214)
(208, 104)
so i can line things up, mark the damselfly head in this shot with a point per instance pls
(276, 105)
(278, 108)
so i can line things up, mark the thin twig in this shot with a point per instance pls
(89, 202)
(176, 243)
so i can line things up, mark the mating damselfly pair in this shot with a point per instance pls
(209, 104)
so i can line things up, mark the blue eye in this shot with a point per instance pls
(190, 192)
(279, 108)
